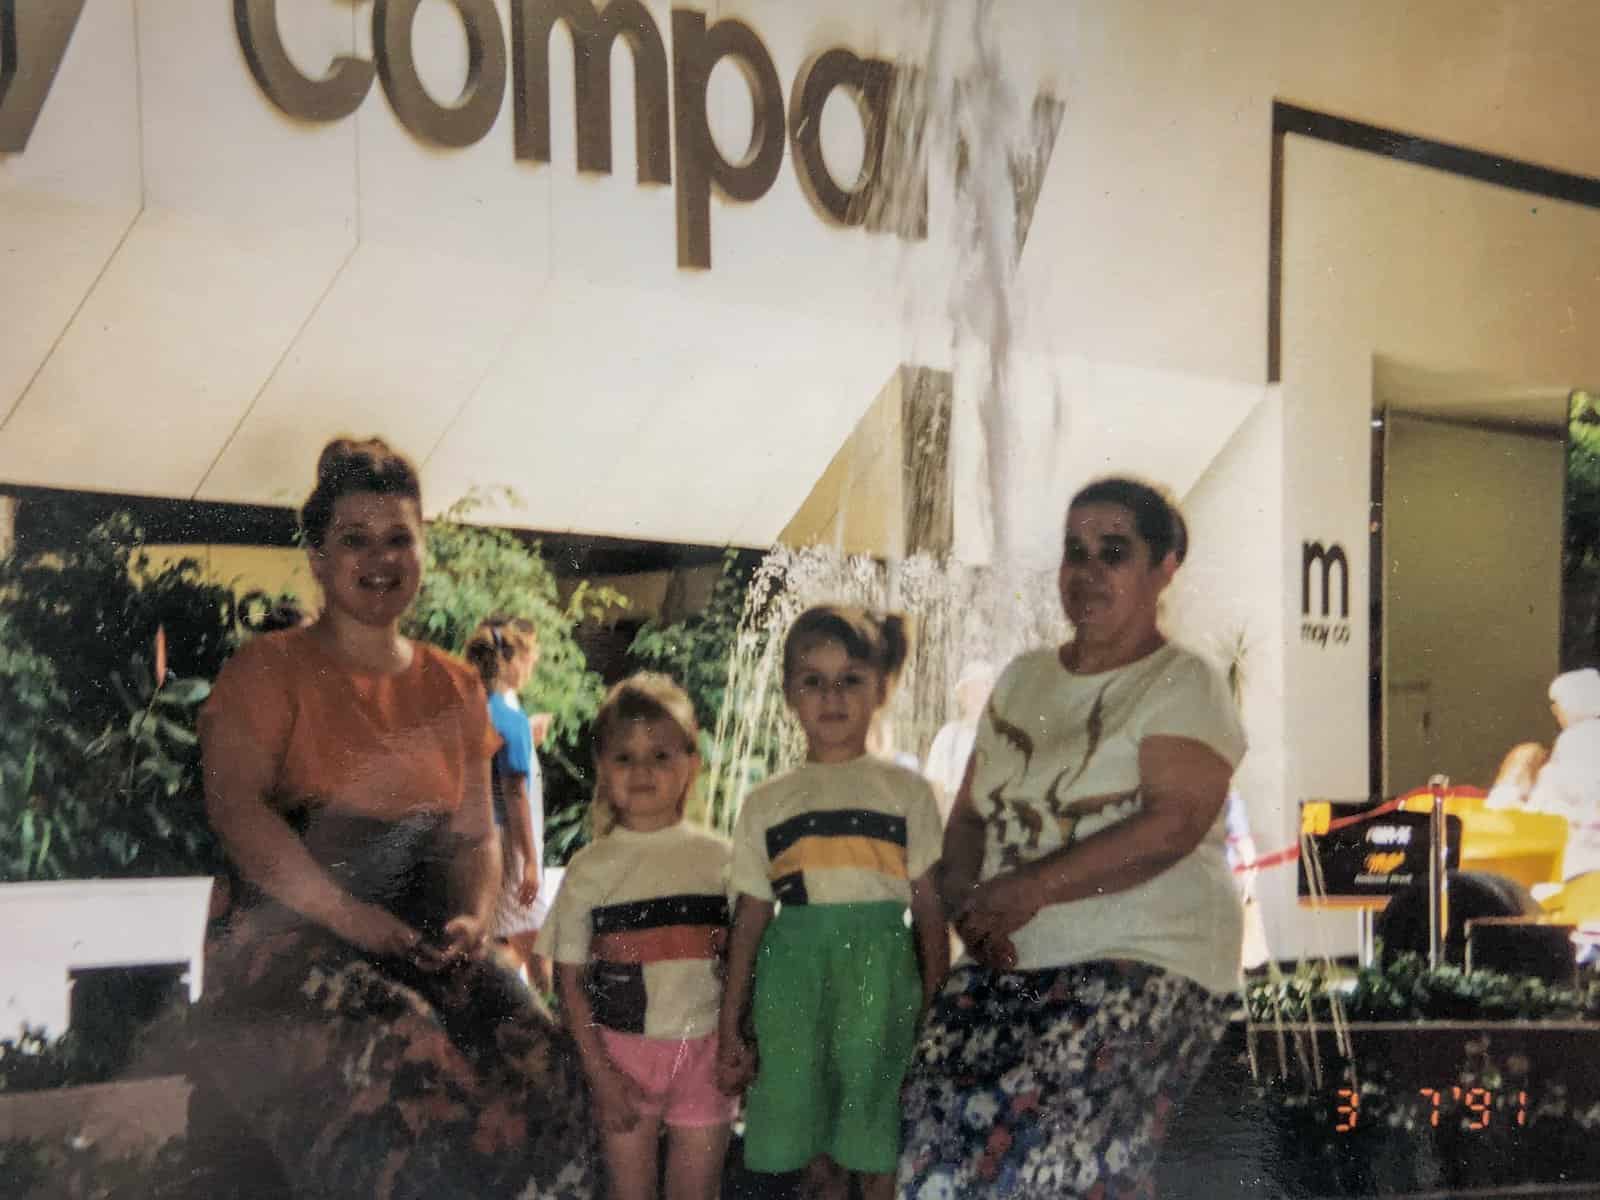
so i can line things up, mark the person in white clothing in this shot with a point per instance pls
(952, 745)
(1569, 783)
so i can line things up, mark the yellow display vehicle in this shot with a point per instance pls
(1526, 847)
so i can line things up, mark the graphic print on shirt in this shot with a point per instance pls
(1018, 825)
(629, 938)
(853, 838)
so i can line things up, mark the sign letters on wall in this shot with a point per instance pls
(33, 41)
(697, 47)
(1321, 626)
(673, 142)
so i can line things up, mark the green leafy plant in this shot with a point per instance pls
(1405, 988)
(32, 1061)
(133, 805)
(98, 764)
(1583, 483)
(92, 610)
(72, 1170)
(474, 572)
(698, 652)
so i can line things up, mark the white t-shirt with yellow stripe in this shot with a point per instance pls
(837, 833)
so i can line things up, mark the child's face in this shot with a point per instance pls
(522, 666)
(833, 696)
(645, 771)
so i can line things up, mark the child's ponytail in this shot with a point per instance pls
(495, 643)
(895, 641)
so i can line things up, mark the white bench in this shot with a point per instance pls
(49, 930)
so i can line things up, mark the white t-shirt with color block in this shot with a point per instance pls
(648, 914)
(837, 833)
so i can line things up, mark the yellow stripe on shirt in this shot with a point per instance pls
(829, 853)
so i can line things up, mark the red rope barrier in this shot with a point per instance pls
(1291, 854)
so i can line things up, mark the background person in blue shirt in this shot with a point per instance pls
(505, 651)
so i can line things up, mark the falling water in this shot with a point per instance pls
(957, 613)
(956, 117)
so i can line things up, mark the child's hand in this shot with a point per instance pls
(611, 1093)
(737, 1063)
(528, 889)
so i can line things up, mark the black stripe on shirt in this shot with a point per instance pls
(791, 889)
(617, 995)
(687, 909)
(839, 822)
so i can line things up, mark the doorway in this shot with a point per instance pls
(1469, 483)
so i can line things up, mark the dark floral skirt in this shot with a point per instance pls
(356, 1077)
(1053, 1083)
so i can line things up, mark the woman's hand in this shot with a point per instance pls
(528, 889)
(993, 911)
(996, 952)
(463, 939)
(737, 1063)
(539, 727)
(378, 931)
(611, 1094)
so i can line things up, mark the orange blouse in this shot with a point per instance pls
(378, 746)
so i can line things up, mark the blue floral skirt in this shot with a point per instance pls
(1052, 1083)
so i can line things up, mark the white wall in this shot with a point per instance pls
(1225, 602)
(1383, 259)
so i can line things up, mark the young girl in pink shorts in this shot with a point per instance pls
(637, 934)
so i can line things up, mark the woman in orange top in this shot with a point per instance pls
(370, 1044)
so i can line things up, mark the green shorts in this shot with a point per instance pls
(836, 1003)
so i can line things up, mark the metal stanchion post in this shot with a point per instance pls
(1438, 897)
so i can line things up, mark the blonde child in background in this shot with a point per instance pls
(504, 651)
(827, 859)
(637, 933)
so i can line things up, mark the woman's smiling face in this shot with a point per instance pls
(1109, 584)
(370, 561)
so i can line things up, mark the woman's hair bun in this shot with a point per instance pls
(350, 465)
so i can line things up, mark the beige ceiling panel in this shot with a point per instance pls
(399, 345)
(179, 335)
(67, 201)
(631, 414)
(53, 250)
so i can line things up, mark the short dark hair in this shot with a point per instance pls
(1155, 514)
(350, 465)
(876, 638)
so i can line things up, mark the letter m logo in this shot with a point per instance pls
(1315, 554)
(33, 41)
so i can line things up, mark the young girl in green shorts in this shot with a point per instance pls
(826, 861)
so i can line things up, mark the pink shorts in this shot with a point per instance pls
(677, 1079)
